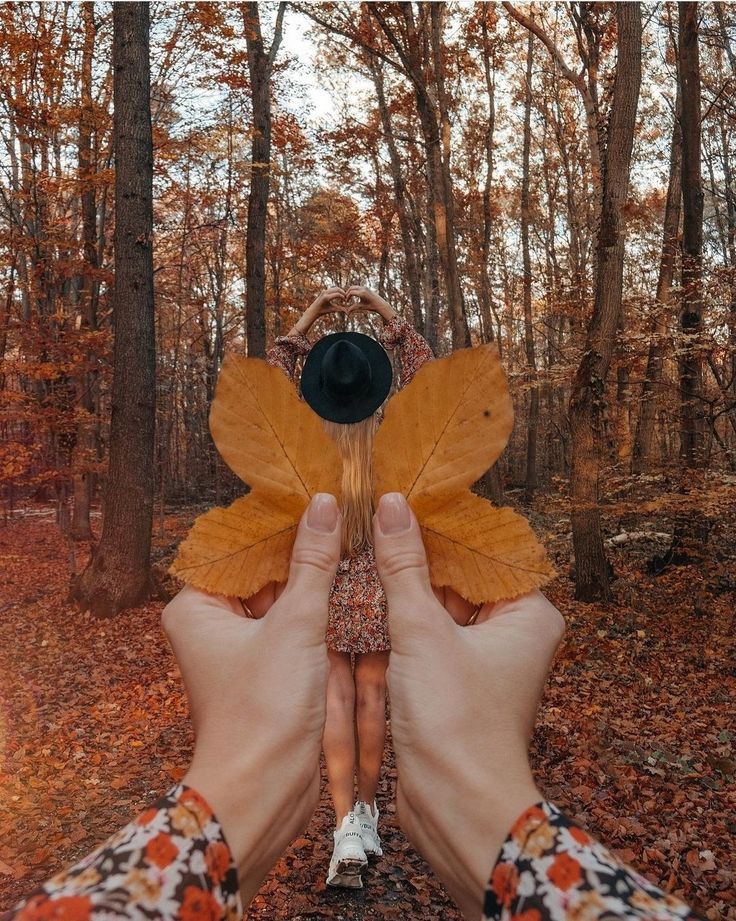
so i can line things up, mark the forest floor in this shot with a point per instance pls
(636, 738)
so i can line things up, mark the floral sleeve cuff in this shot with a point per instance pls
(172, 862)
(394, 331)
(550, 870)
(299, 343)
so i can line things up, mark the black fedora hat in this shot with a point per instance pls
(346, 377)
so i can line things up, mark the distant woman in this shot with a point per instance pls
(346, 378)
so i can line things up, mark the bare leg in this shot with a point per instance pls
(370, 690)
(338, 740)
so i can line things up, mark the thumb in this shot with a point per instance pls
(401, 561)
(314, 559)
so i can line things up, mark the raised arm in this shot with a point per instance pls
(397, 334)
(410, 347)
(286, 349)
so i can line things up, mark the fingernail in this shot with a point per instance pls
(322, 513)
(394, 515)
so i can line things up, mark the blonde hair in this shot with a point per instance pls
(355, 443)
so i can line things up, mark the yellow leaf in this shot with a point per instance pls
(439, 435)
(237, 550)
(275, 443)
(445, 429)
(267, 435)
(485, 553)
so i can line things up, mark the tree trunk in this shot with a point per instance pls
(118, 575)
(588, 394)
(432, 297)
(85, 450)
(588, 91)
(397, 177)
(436, 199)
(260, 65)
(731, 217)
(621, 436)
(421, 53)
(447, 233)
(491, 483)
(530, 485)
(485, 280)
(659, 341)
(691, 530)
(691, 313)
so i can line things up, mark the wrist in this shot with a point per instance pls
(222, 787)
(251, 810)
(306, 320)
(301, 327)
(467, 815)
(386, 311)
(238, 806)
(488, 827)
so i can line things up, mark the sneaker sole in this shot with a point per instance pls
(345, 882)
(347, 874)
(350, 866)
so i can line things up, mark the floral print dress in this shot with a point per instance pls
(358, 620)
(173, 864)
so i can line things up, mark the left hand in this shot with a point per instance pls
(368, 300)
(257, 692)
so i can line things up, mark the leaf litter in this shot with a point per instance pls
(635, 738)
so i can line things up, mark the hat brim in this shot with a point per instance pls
(364, 405)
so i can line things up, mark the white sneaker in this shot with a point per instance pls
(348, 857)
(369, 827)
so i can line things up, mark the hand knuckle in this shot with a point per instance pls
(558, 625)
(169, 616)
(401, 561)
(315, 557)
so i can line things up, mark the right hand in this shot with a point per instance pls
(331, 300)
(463, 705)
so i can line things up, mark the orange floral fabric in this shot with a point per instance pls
(159, 868)
(172, 863)
(358, 619)
(551, 870)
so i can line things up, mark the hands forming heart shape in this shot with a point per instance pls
(354, 298)
(343, 300)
